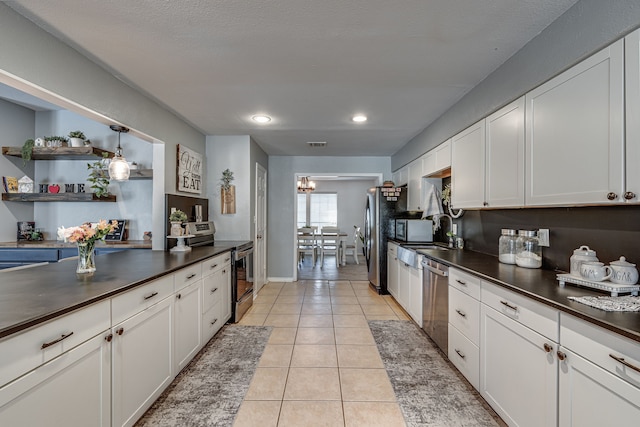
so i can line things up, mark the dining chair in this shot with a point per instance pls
(352, 248)
(330, 243)
(307, 244)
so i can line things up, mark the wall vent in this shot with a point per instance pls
(317, 144)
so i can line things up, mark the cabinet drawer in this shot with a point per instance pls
(134, 301)
(392, 248)
(24, 351)
(467, 283)
(214, 264)
(464, 314)
(534, 315)
(187, 276)
(211, 323)
(601, 347)
(212, 288)
(465, 355)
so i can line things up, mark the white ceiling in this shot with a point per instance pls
(309, 64)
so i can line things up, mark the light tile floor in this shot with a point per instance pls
(321, 366)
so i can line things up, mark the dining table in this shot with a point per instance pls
(342, 237)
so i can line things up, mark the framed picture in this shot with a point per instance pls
(189, 169)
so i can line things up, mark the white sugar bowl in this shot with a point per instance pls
(623, 272)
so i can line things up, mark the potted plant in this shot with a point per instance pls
(99, 177)
(176, 218)
(27, 150)
(56, 141)
(227, 193)
(76, 138)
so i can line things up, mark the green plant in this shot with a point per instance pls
(27, 150)
(227, 177)
(446, 194)
(177, 216)
(77, 134)
(56, 138)
(98, 177)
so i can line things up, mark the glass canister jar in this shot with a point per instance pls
(507, 246)
(528, 249)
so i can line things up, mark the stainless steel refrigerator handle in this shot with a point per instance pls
(436, 270)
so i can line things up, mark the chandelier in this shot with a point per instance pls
(304, 185)
(119, 168)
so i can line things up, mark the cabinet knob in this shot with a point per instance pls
(547, 348)
(485, 204)
(120, 331)
(629, 195)
(561, 355)
(108, 338)
(612, 196)
(179, 296)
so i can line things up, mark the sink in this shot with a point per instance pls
(417, 246)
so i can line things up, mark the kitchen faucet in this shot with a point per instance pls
(436, 219)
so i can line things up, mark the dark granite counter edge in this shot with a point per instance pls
(13, 281)
(539, 285)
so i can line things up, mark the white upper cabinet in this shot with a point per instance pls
(504, 179)
(437, 159)
(575, 134)
(401, 176)
(414, 202)
(467, 167)
(632, 92)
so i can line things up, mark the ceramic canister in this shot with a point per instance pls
(623, 272)
(580, 255)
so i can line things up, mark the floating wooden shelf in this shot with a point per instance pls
(60, 197)
(59, 153)
(135, 174)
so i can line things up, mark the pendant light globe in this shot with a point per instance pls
(119, 168)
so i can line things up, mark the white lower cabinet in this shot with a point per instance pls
(216, 299)
(599, 380)
(73, 389)
(392, 270)
(142, 361)
(464, 330)
(187, 325)
(410, 291)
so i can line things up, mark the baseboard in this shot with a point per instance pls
(280, 279)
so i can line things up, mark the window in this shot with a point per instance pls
(319, 209)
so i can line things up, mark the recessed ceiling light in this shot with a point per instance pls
(359, 118)
(260, 118)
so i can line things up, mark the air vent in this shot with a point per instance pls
(317, 144)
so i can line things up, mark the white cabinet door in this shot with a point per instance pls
(414, 202)
(392, 271)
(415, 295)
(429, 163)
(225, 301)
(404, 280)
(401, 176)
(518, 371)
(591, 396)
(632, 111)
(73, 389)
(187, 324)
(504, 180)
(575, 134)
(142, 365)
(468, 168)
(443, 155)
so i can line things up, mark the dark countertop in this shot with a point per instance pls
(47, 244)
(540, 285)
(34, 295)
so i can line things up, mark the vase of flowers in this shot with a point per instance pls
(227, 193)
(86, 236)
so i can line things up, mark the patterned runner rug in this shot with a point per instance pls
(430, 392)
(210, 390)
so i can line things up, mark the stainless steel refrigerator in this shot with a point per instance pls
(379, 225)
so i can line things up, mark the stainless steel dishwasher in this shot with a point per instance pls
(435, 309)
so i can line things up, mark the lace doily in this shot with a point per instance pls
(607, 303)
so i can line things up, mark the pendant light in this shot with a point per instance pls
(304, 185)
(119, 168)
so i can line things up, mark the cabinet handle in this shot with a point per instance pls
(120, 331)
(108, 338)
(49, 344)
(214, 322)
(191, 276)
(461, 313)
(629, 195)
(461, 354)
(462, 282)
(227, 259)
(624, 362)
(512, 307)
(179, 296)
(485, 204)
(213, 266)
(213, 290)
(547, 348)
(612, 196)
(561, 355)
(151, 295)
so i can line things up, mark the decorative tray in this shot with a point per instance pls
(613, 288)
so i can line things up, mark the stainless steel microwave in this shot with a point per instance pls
(414, 230)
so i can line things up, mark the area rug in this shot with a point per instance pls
(209, 391)
(429, 390)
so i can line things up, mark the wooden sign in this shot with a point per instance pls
(189, 177)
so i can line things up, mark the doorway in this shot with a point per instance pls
(260, 239)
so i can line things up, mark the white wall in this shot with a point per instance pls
(17, 126)
(282, 196)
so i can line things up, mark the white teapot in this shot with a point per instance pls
(623, 272)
